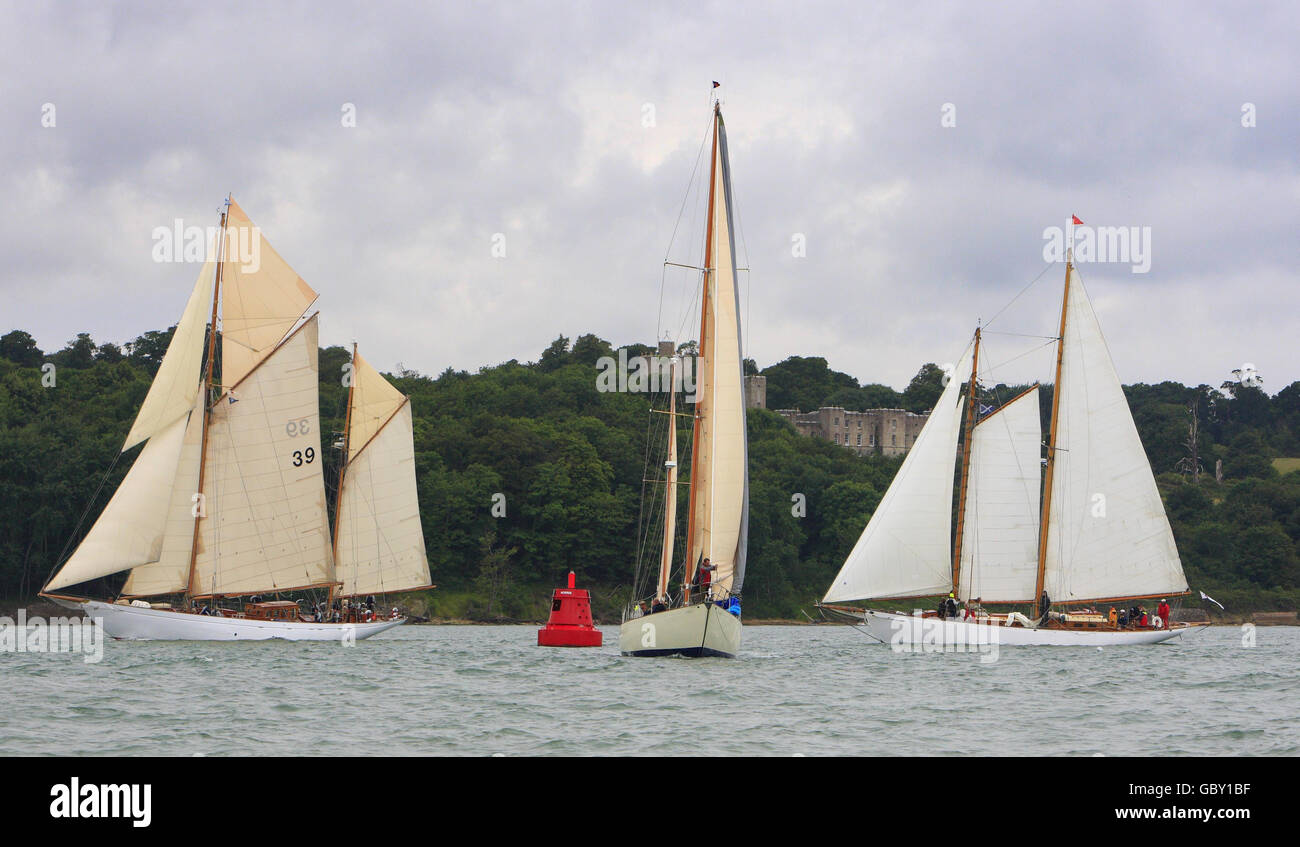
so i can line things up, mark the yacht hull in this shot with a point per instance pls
(914, 631)
(136, 623)
(700, 630)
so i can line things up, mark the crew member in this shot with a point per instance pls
(1163, 611)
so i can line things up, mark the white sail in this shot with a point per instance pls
(177, 382)
(720, 471)
(129, 532)
(906, 549)
(1107, 535)
(262, 298)
(999, 554)
(170, 572)
(266, 527)
(380, 544)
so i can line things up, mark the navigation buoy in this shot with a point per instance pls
(570, 624)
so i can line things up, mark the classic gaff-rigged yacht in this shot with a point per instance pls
(227, 499)
(704, 622)
(1099, 536)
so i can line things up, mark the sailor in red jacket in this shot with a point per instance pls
(1163, 611)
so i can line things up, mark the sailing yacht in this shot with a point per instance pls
(703, 619)
(226, 500)
(1096, 535)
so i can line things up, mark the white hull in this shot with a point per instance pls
(911, 630)
(700, 630)
(134, 622)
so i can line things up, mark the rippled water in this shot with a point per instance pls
(469, 690)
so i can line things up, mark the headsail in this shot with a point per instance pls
(906, 549)
(177, 382)
(1107, 534)
(720, 465)
(380, 541)
(999, 559)
(129, 532)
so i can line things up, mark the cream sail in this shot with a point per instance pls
(704, 619)
(227, 497)
(380, 543)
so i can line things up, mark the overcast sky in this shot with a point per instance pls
(530, 120)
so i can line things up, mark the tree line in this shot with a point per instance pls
(526, 471)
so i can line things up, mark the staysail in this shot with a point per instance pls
(906, 549)
(380, 541)
(170, 572)
(1107, 535)
(999, 556)
(720, 464)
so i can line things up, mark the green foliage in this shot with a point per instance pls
(564, 462)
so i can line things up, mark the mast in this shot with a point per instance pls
(207, 402)
(1051, 438)
(343, 465)
(670, 486)
(971, 410)
(699, 356)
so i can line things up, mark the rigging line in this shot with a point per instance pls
(680, 212)
(1021, 335)
(1022, 355)
(60, 561)
(1045, 269)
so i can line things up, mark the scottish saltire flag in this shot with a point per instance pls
(1205, 596)
(984, 410)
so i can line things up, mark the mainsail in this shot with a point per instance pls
(266, 527)
(906, 549)
(719, 520)
(999, 556)
(380, 542)
(1107, 534)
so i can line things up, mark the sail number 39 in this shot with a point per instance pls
(303, 457)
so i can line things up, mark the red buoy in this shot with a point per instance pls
(570, 624)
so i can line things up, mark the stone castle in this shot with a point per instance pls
(886, 432)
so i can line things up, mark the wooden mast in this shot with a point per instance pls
(207, 403)
(343, 466)
(972, 407)
(1051, 438)
(699, 356)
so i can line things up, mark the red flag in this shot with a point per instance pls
(1075, 219)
